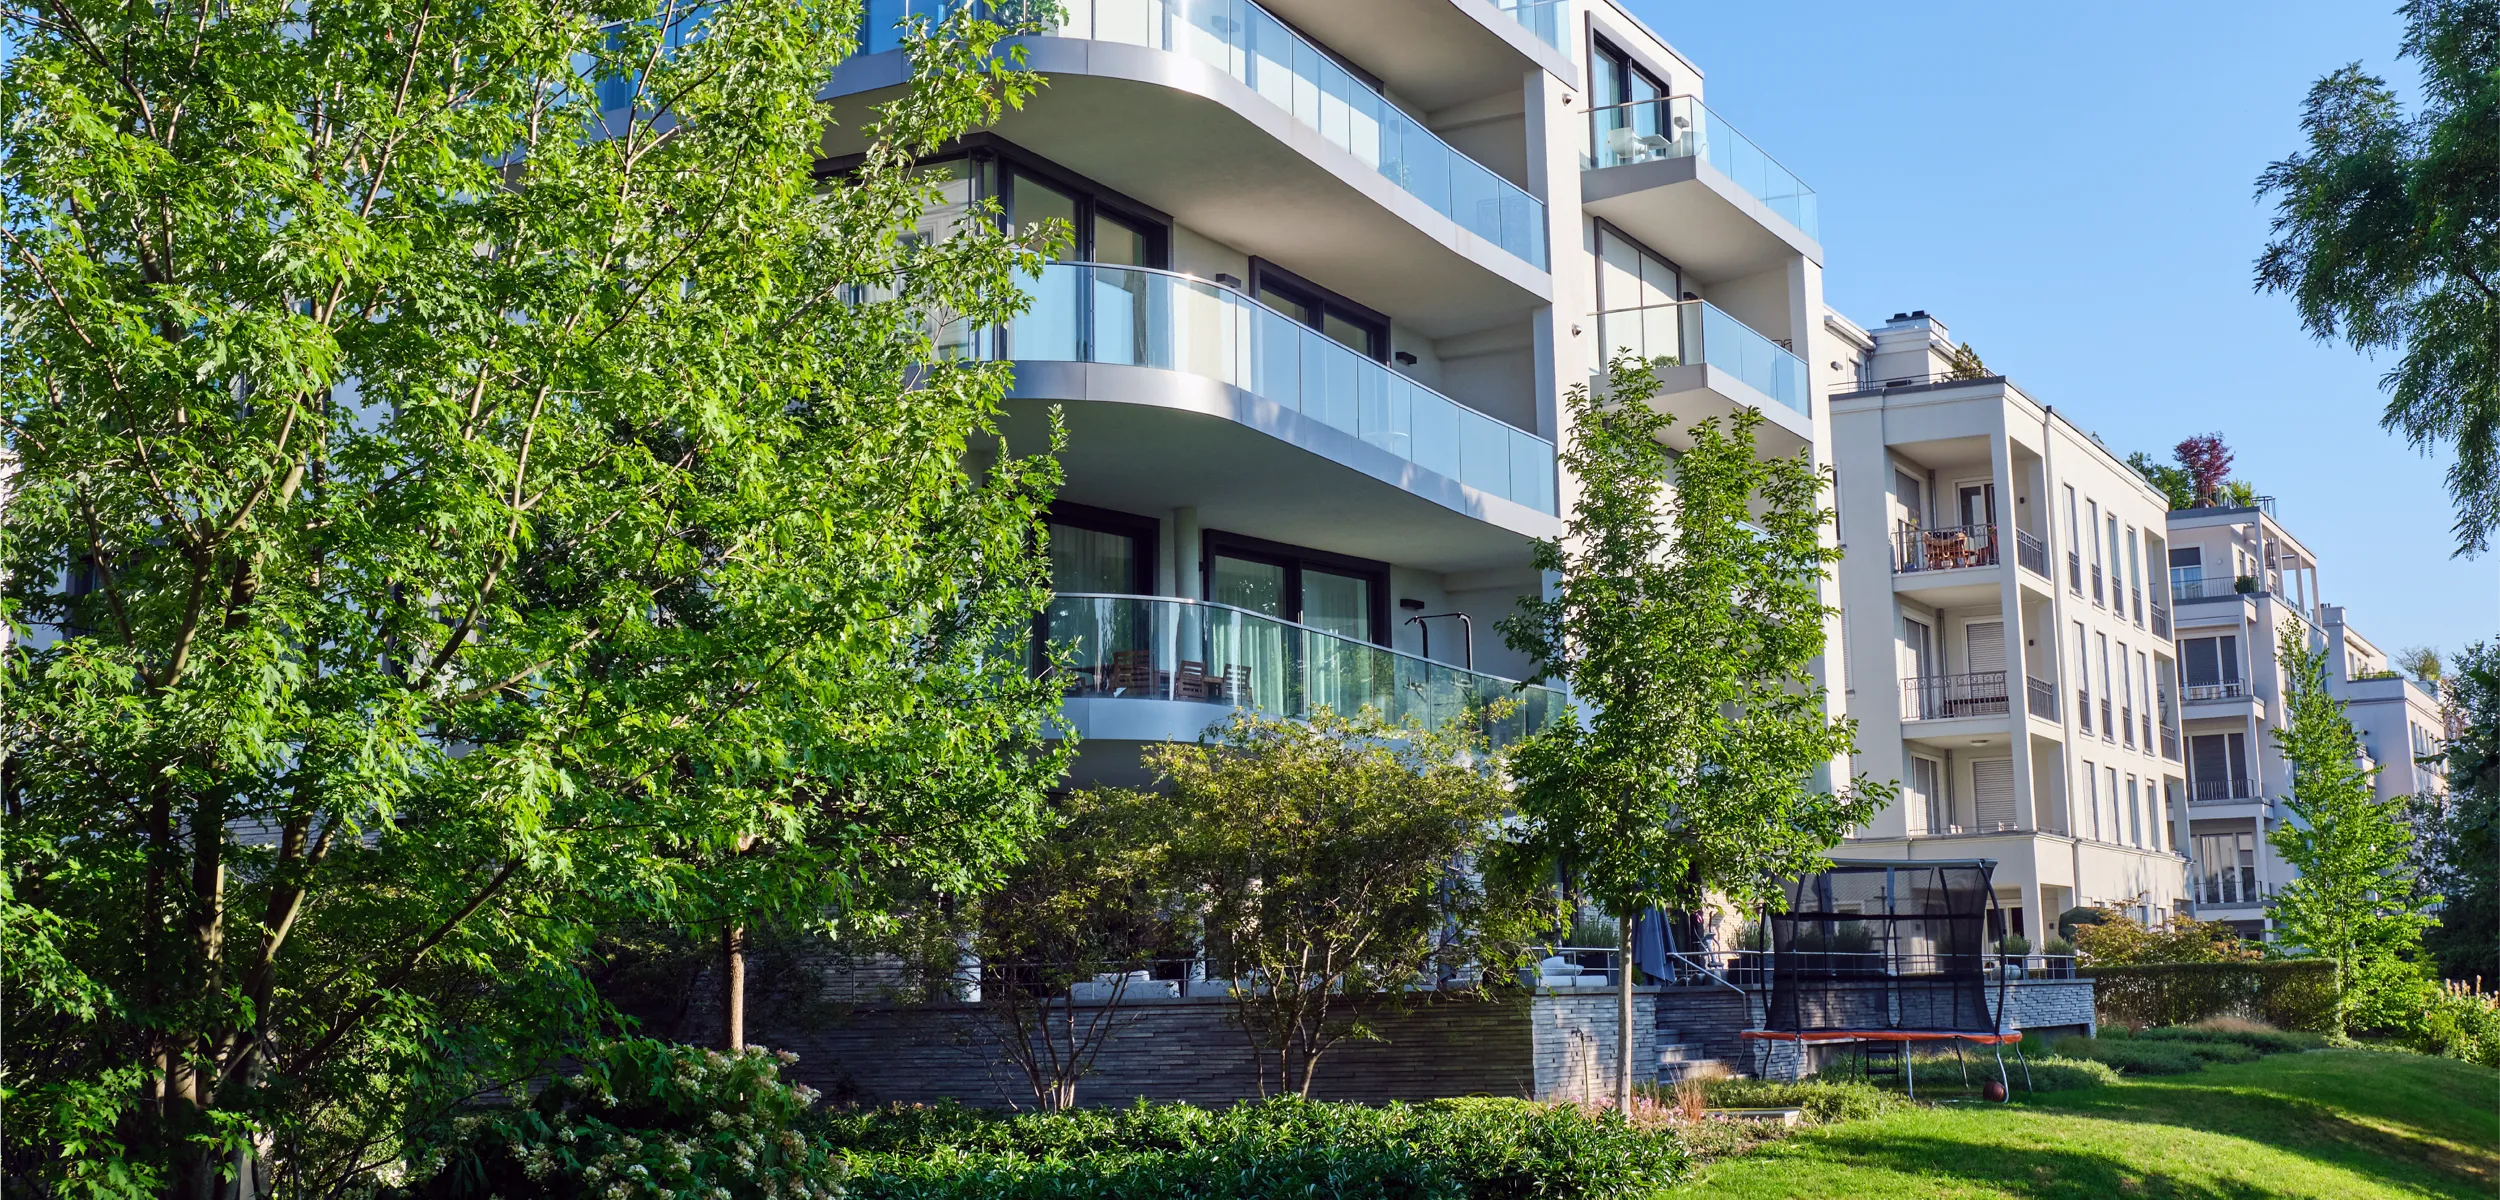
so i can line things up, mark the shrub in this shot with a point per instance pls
(2058, 1073)
(641, 1119)
(1475, 1149)
(2131, 1056)
(2288, 993)
(2460, 1021)
(1823, 1101)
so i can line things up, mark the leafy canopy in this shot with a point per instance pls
(2356, 901)
(2461, 850)
(1684, 618)
(2387, 234)
(1333, 864)
(447, 519)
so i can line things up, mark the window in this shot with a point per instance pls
(2144, 695)
(2217, 767)
(2117, 560)
(1927, 798)
(1631, 275)
(1615, 79)
(2107, 733)
(2135, 561)
(1332, 593)
(2092, 787)
(1992, 793)
(2210, 661)
(2226, 868)
(2074, 543)
(2112, 774)
(2126, 696)
(1099, 228)
(1357, 327)
(1098, 550)
(1913, 496)
(2083, 678)
(1976, 504)
(2187, 570)
(2135, 815)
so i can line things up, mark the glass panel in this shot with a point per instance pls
(1484, 458)
(1120, 333)
(1047, 331)
(1243, 583)
(1681, 127)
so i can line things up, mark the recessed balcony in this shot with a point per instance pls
(1719, 365)
(1383, 423)
(1671, 173)
(1161, 668)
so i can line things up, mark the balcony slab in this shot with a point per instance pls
(1689, 211)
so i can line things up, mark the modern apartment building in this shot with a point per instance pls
(2399, 718)
(1335, 265)
(2007, 637)
(2241, 582)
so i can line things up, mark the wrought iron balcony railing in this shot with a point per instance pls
(1943, 697)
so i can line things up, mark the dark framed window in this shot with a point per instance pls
(1106, 227)
(1614, 78)
(1365, 330)
(1334, 593)
(1101, 550)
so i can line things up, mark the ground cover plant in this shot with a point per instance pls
(2331, 1125)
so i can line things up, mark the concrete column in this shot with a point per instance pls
(2010, 600)
(1188, 564)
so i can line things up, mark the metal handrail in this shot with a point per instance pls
(1943, 548)
(1944, 697)
(2032, 553)
(2229, 689)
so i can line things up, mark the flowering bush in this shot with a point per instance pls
(2462, 1021)
(641, 1120)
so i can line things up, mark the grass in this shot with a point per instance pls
(2333, 1124)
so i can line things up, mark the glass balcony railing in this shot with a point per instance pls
(1682, 127)
(1544, 18)
(1164, 648)
(1242, 40)
(1131, 316)
(1695, 332)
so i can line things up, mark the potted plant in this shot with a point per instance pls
(2060, 962)
(2013, 948)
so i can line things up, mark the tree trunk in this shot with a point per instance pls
(733, 987)
(1623, 1014)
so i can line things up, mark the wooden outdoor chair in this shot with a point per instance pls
(1191, 682)
(1132, 672)
(1236, 685)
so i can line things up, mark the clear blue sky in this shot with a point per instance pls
(2070, 188)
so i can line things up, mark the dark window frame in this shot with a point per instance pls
(1294, 559)
(1626, 64)
(1266, 276)
(1001, 159)
(1145, 532)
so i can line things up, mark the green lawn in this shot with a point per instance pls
(2331, 1124)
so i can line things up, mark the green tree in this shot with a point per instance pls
(2357, 900)
(448, 519)
(2461, 855)
(2172, 482)
(1684, 619)
(1336, 863)
(2387, 234)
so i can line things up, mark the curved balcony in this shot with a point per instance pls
(1136, 317)
(1161, 668)
(1241, 40)
(1721, 365)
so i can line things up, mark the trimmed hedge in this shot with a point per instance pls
(1475, 1149)
(2287, 994)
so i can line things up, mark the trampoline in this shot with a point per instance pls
(1885, 956)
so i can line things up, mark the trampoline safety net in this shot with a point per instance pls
(1881, 946)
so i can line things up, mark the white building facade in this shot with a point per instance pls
(2007, 649)
(1334, 267)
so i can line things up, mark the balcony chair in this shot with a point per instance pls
(1132, 674)
(1191, 682)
